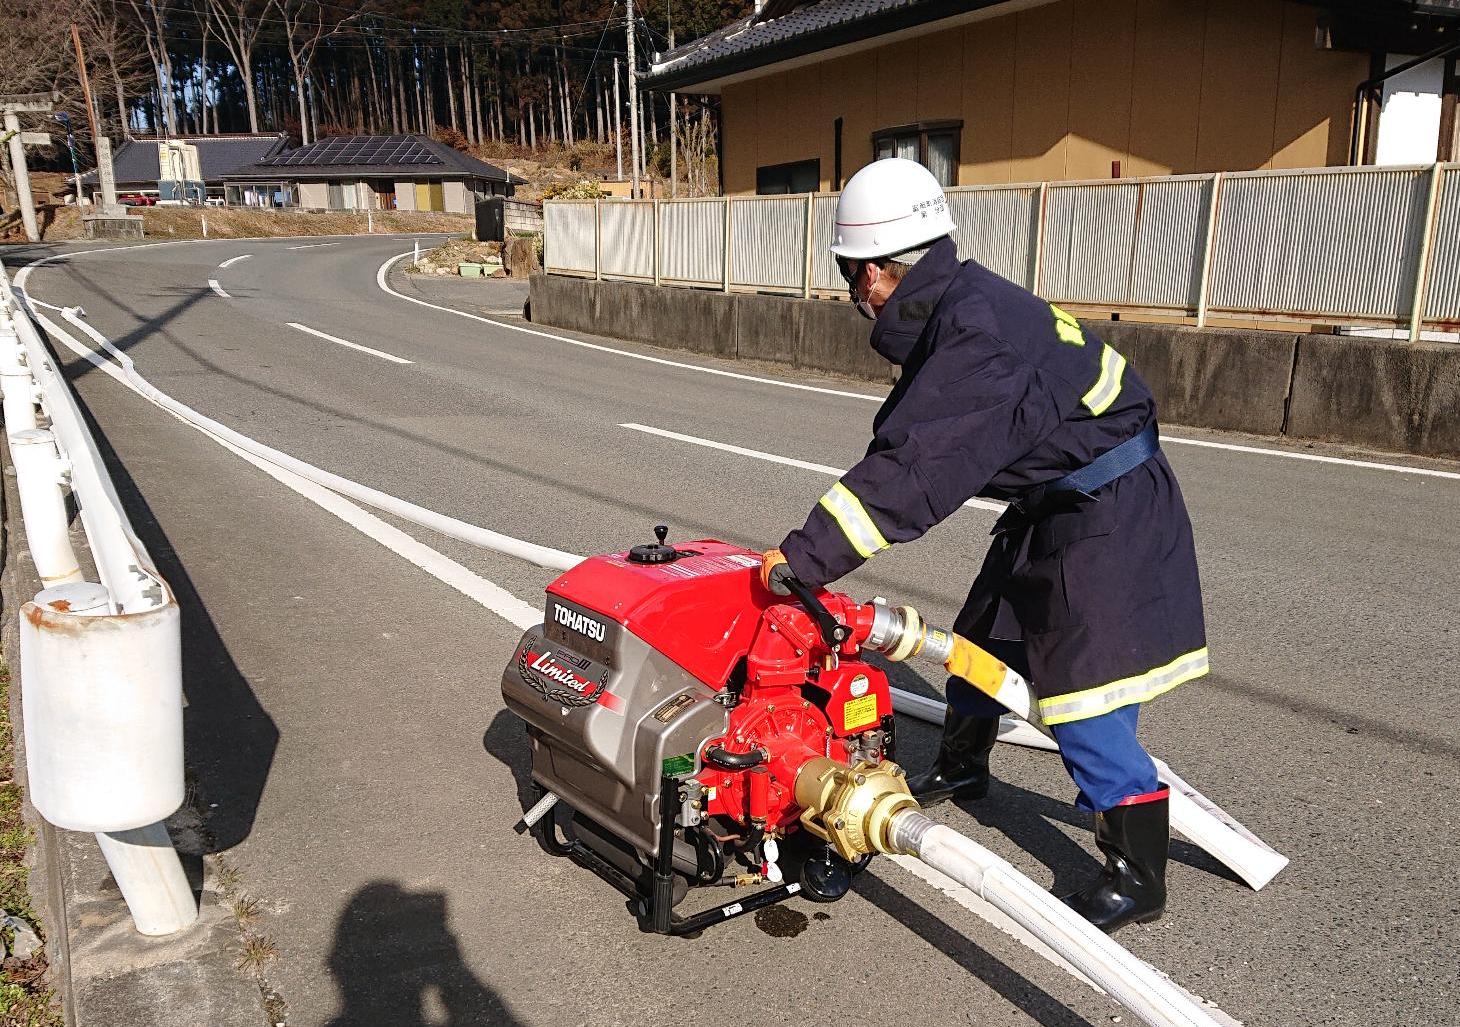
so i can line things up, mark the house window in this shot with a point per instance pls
(802, 176)
(933, 144)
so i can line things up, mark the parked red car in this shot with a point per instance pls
(137, 200)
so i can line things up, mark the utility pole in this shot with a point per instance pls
(85, 87)
(618, 123)
(633, 102)
(673, 122)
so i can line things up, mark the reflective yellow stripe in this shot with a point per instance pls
(1066, 327)
(852, 517)
(1107, 386)
(1092, 702)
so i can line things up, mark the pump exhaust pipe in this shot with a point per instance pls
(901, 633)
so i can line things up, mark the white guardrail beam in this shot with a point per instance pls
(101, 662)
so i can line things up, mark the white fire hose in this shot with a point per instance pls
(1152, 997)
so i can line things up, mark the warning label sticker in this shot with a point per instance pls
(859, 713)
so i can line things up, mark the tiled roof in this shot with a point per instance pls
(806, 28)
(135, 161)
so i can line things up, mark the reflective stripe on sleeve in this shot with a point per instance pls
(1092, 702)
(852, 517)
(1066, 327)
(1107, 386)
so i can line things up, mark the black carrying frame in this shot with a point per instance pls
(655, 908)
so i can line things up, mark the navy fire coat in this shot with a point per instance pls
(1001, 393)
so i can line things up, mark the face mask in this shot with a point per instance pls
(864, 307)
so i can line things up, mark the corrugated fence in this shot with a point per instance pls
(1362, 246)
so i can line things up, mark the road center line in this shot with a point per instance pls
(1373, 465)
(311, 246)
(213, 284)
(805, 465)
(352, 345)
(234, 260)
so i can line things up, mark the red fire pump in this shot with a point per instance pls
(694, 729)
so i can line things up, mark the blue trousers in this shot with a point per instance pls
(1101, 753)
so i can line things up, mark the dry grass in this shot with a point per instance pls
(444, 259)
(25, 996)
(258, 952)
(165, 223)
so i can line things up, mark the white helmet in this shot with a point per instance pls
(889, 206)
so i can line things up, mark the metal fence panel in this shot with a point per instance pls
(692, 241)
(996, 227)
(628, 238)
(824, 273)
(1443, 301)
(768, 242)
(1324, 243)
(1170, 243)
(568, 236)
(1089, 235)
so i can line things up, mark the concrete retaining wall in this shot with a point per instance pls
(1380, 393)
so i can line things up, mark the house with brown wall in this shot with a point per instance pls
(992, 91)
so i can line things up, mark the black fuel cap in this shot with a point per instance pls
(655, 552)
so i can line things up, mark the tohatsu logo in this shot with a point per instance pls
(581, 623)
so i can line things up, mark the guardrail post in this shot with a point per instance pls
(38, 476)
(806, 278)
(726, 258)
(1203, 288)
(1422, 270)
(597, 239)
(103, 733)
(16, 384)
(655, 211)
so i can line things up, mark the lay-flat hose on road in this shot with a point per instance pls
(1135, 984)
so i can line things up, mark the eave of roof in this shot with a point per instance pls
(822, 31)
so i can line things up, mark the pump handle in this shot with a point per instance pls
(833, 632)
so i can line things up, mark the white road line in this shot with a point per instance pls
(805, 465)
(510, 608)
(1255, 450)
(311, 246)
(1372, 465)
(234, 260)
(352, 345)
(213, 284)
(380, 281)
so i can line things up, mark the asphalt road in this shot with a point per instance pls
(345, 717)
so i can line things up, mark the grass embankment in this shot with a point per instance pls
(25, 997)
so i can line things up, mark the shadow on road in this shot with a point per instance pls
(1021, 992)
(398, 964)
(228, 736)
(506, 739)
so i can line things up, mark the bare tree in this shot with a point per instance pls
(239, 24)
(305, 25)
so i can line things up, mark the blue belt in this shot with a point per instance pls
(1109, 465)
(1105, 468)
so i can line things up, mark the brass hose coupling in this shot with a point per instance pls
(852, 807)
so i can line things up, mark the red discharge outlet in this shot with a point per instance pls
(760, 794)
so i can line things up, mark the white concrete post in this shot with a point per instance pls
(22, 177)
(106, 176)
(38, 480)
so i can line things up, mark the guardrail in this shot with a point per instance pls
(101, 662)
(1372, 246)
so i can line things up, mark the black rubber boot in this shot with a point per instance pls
(1132, 888)
(961, 769)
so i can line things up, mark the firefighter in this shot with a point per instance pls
(1090, 586)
